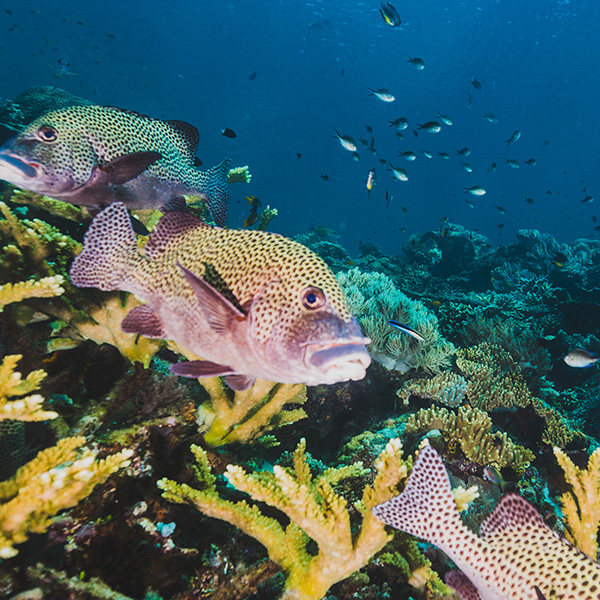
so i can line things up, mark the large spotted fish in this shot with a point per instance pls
(95, 155)
(252, 304)
(516, 555)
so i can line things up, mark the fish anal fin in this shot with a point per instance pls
(462, 585)
(512, 512)
(189, 134)
(127, 167)
(172, 225)
(196, 369)
(143, 320)
(238, 382)
(218, 310)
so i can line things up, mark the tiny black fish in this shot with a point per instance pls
(476, 84)
(230, 133)
(324, 177)
(252, 76)
(298, 155)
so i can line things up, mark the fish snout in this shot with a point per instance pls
(340, 360)
(17, 167)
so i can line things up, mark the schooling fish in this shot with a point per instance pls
(491, 117)
(580, 358)
(445, 119)
(417, 63)
(476, 84)
(476, 190)
(347, 142)
(383, 94)
(399, 173)
(95, 155)
(514, 553)
(430, 127)
(252, 304)
(513, 138)
(389, 14)
(400, 124)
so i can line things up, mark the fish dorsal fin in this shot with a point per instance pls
(512, 512)
(169, 227)
(130, 112)
(189, 134)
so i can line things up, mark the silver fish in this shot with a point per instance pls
(581, 359)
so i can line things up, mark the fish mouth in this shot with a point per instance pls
(17, 166)
(339, 360)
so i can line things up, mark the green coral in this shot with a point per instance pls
(373, 299)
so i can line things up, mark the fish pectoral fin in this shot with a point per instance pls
(144, 321)
(218, 310)
(238, 382)
(196, 369)
(125, 168)
(459, 582)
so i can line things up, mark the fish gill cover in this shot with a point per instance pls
(439, 159)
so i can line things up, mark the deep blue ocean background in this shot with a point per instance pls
(537, 62)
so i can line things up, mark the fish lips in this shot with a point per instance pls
(11, 164)
(340, 360)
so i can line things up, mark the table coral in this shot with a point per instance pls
(315, 511)
(447, 388)
(472, 428)
(581, 505)
(373, 299)
(494, 379)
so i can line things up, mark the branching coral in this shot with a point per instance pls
(239, 175)
(315, 511)
(447, 388)
(246, 416)
(472, 428)
(373, 299)
(56, 478)
(494, 379)
(581, 506)
(47, 287)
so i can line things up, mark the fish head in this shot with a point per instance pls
(301, 328)
(51, 156)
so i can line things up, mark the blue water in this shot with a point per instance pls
(537, 62)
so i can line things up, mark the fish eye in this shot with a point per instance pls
(313, 298)
(46, 133)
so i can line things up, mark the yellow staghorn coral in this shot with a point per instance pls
(472, 428)
(55, 479)
(581, 506)
(494, 379)
(557, 432)
(246, 416)
(239, 175)
(316, 512)
(12, 385)
(447, 388)
(47, 287)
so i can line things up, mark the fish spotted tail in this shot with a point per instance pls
(216, 189)
(109, 251)
(426, 508)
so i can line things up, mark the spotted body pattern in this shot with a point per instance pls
(514, 553)
(251, 303)
(95, 155)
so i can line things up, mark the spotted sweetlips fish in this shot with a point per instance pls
(95, 155)
(516, 555)
(252, 304)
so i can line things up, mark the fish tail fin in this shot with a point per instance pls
(109, 251)
(217, 191)
(426, 508)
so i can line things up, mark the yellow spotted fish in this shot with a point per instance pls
(252, 304)
(95, 155)
(516, 555)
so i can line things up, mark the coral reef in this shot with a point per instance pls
(374, 300)
(446, 388)
(315, 511)
(47, 287)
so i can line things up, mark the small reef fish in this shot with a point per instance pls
(417, 63)
(94, 155)
(513, 138)
(371, 181)
(560, 259)
(466, 166)
(253, 217)
(587, 198)
(388, 197)
(493, 475)
(476, 190)
(324, 176)
(444, 155)
(61, 69)
(446, 120)
(355, 156)
(406, 329)
(389, 14)
(492, 167)
(513, 163)
(476, 84)
(400, 124)
(346, 142)
(469, 203)
(408, 155)
(469, 100)
(581, 359)
(514, 553)
(383, 94)
(463, 151)
(228, 133)
(427, 154)
(252, 76)
(500, 209)
(430, 127)
(531, 162)
(529, 200)
(399, 173)
(252, 304)
(491, 117)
